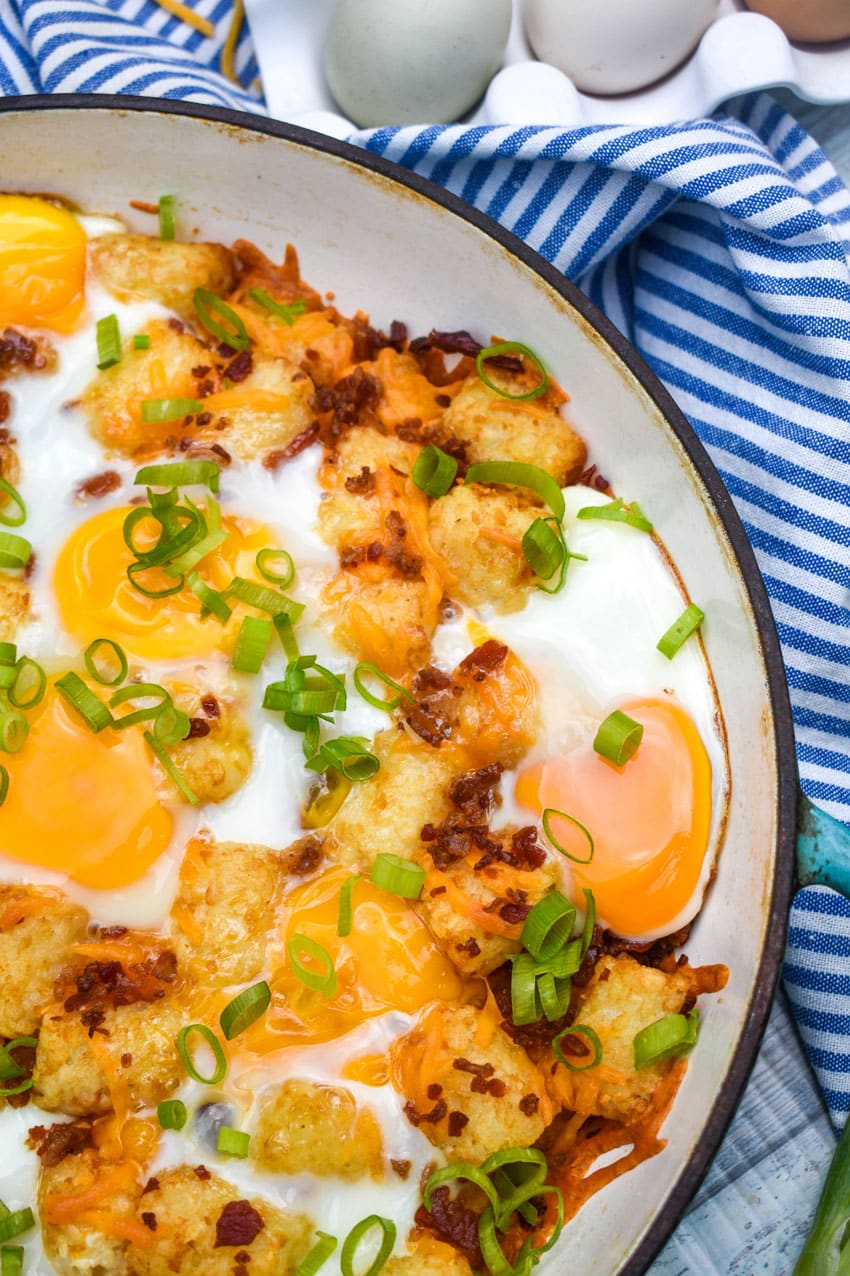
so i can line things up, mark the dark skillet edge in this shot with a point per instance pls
(745, 1053)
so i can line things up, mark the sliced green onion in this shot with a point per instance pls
(210, 599)
(8, 662)
(14, 729)
(245, 1009)
(518, 1157)
(155, 411)
(4, 1210)
(15, 551)
(179, 473)
(268, 600)
(323, 982)
(397, 876)
(108, 338)
(233, 331)
(545, 550)
(232, 1142)
(512, 1199)
(345, 916)
(275, 578)
(11, 1260)
(525, 1000)
(668, 1037)
(15, 1223)
(93, 712)
(141, 341)
(554, 995)
(589, 921)
(195, 553)
(317, 1256)
(286, 632)
(434, 471)
(9, 1070)
(491, 1250)
(546, 1190)
(520, 474)
(102, 674)
(578, 1030)
(511, 347)
(4, 784)
(616, 512)
(166, 217)
(349, 755)
(29, 684)
(678, 633)
(170, 725)
(460, 1170)
(252, 643)
(547, 829)
(375, 701)
(219, 1071)
(618, 737)
(287, 313)
(138, 691)
(548, 926)
(167, 763)
(171, 1114)
(355, 1236)
(137, 569)
(181, 527)
(20, 1088)
(12, 520)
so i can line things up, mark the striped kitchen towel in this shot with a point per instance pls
(720, 247)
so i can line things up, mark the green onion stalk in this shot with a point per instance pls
(826, 1252)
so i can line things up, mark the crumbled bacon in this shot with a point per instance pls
(528, 1104)
(19, 353)
(352, 401)
(202, 1173)
(152, 1185)
(485, 1070)
(104, 985)
(198, 728)
(98, 485)
(149, 1220)
(272, 460)
(484, 660)
(66, 1138)
(362, 484)
(238, 1224)
(453, 1222)
(434, 715)
(401, 1168)
(417, 1118)
(473, 795)
(367, 341)
(395, 550)
(458, 1121)
(513, 914)
(470, 946)
(303, 856)
(592, 478)
(5, 407)
(240, 366)
(209, 704)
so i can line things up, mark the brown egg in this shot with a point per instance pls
(811, 21)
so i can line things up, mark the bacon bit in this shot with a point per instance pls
(592, 478)
(417, 1118)
(202, 1173)
(443, 400)
(485, 1070)
(202, 370)
(5, 407)
(438, 890)
(513, 914)
(198, 728)
(238, 1224)
(126, 1060)
(352, 401)
(152, 1185)
(303, 856)
(406, 564)
(149, 1220)
(454, 1223)
(30, 567)
(434, 1090)
(111, 932)
(458, 1121)
(470, 946)
(98, 485)
(484, 660)
(272, 460)
(434, 716)
(105, 985)
(240, 367)
(401, 1168)
(209, 704)
(362, 484)
(144, 206)
(460, 342)
(66, 1138)
(21, 353)
(528, 1104)
(176, 325)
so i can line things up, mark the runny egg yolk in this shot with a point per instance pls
(96, 597)
(82, 804)
(388, 962)
(649, 820)
(42, 264)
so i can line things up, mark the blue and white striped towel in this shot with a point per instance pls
(720, 247)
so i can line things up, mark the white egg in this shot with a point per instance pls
(400, 62)
(616, 46)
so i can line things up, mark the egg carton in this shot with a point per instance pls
(741, 51)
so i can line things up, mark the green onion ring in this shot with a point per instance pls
(669, 1036)
(15, 551)
(397, 876)
(108, 337)
(548, 926)
(14, 729)
(167, 763)
(345, 915)
(460, 1170)
(525, 1000)
(212, 602)
(4, 784)
(520, 474)
(286, 632)
(12, 1260)
(302, 944)
(15, 1223)
(434, 471)
(274, 578)
(589, 921)
(578, 1030)
(220, 1070)
(9, 1070)
(554, 995)
(511, 347)
(9, 520)
(252, 643)
(171, 1114)
(285, 312)
(170, 724)
(83, 700)
(349, 755)
(245, 1009)
(317, 1256)
(617, 738)
(491, 1250)
(268, 600)
(141, 341)
(207, 306)
(158, 411)
(25, 667)
(616, 512)
(165, 208)
(232, 1142)
(355, 1236)
(90, 658)
(179, 473)
(364, 667)
(547, 829)
(138, 691)
(679, 632)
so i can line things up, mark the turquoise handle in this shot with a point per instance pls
(823, 848)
